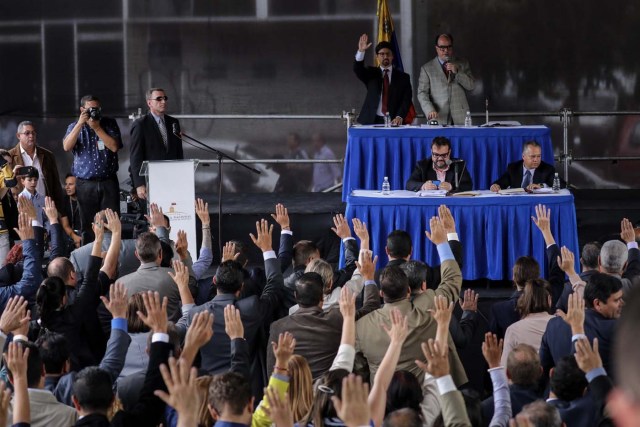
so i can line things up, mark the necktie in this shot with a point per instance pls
(163, 131)
(385, 91)
(527, 179)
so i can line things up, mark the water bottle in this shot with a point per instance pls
(556, 183)
(467, 120)
(386, 187)
(387, 120)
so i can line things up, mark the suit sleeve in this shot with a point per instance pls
(272, 291)
(285, 251)
(556, 275)
(633, 264)
(451, 281)
(464, 77)
(424, 91)
(240, 361)
(361, 71)
(504, 181)
(137, 153)
(454, 413)
(56, 191)
(114, 357)
(416, 179)
(342, 276)
(406, 96)
(371, 300)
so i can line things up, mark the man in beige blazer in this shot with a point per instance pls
(442, 84)
(373, 341)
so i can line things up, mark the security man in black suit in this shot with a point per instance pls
(388, 89)
(153, 138)
(530, 173)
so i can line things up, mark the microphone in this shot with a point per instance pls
(448, 72)
(450, 161)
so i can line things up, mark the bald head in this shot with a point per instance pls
(523, 365)
(63, 268)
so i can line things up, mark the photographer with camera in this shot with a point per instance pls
(95, 141)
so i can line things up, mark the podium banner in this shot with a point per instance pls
(172, 188)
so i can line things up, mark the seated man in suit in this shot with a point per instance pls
(436, 173)
(530, 173)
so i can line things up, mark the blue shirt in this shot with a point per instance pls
(38, 202)
(89, 161)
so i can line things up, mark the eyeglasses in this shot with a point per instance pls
(385, 53)
(440, 156)
(445, 47)
(160, 98)
(28, 132)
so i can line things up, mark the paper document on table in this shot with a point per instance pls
(513, 191)
(543, 190)
(432, 193)
(467, 194)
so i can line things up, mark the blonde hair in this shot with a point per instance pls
(300, 386)
(324, 269)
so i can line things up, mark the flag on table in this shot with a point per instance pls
(387, 33)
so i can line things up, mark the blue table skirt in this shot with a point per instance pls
(373, 153)
(494, 231)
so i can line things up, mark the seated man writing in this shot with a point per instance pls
(439, 172)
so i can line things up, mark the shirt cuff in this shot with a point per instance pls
(3, 335)
(369, 282)
(281, 377)
(160, 337)
(577, 337)
(20, 337)
(186, 308)
(348, 238)
(269, 255)
(35, 223)
(632, 245)
(445, 384)
(359, 56)
(496, 370)
(119, 323)
(289, 232)
(444, 251)
(452, 236)
(595, 373)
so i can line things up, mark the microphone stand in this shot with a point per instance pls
(456, 178)
(220, 155)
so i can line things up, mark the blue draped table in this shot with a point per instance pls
(373, 152)
(494, 229)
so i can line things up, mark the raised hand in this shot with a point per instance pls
(279, 410)
(182, 392)
(438, 234)
(180, 274)
(113, 221)
(16, 358)
(492, 350)
(233, 322)
(566, 261)
(182, 244)
(14, 315)
(229, 252)
(264, 231)
(25, 205)
(469, 302)
(341, 227)
(202, 210)
(118, 302)
(542, 220)
(366, 265)
(353, 408)
(283, 349)
(155, 217)
(347, 304)
(446, 218)
(587, 358)
(437, 359)
(200, 331)
(98, 227)
(156, 317)
(626, 231)
(50, 210)
(399, 327)
(442, 313)
(575, 313)
(363, 44)
(282, 217)
(24, 230)
(360, 228)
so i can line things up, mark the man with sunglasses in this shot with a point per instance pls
(153, 138)
(442, 84)
(439, 172)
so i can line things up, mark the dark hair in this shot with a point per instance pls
(229, 277)
(54, 350)
(405, 417)
(393, 283)
(150, 91)
(600, 286)
(530, 143)
(230, 389)
(134, 324)
(88, 98)
(590, 254)
(404, 392)
(242, 250)
(309, 290)
(416, 272)
(447, 35)
(441, 141)
(60, 267)
(69, 175)
(302, 251)
(4, 153)
(34, 364)
(568, 381)
(523, 365)
(526, 268)
(174, 340)
(167, 254)
(329, 384)
(534, 298)
(32, 172)
(399, 244)
(148, 247)
(92, 389)
(384, 45)
(49, 298)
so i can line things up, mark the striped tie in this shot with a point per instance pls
(163, 131)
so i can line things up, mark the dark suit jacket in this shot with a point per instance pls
(400, 92)
(579, 412)
(556, 341)
(318, 332)
(504, 314)
(513, 176)
(424, 172)
(147, 144)
(49, 168)
(520, 396)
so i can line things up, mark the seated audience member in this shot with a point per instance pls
(530, 173)
(437, 173)
(70, 212)
(539, 413)
(523, 372)
(603, 299)
(533, 307)
(396, 294)
(505, 313)
(325, 175)
(588, 266)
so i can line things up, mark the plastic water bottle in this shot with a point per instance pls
(387, 120)
(467, 120)
(556, 183)
(386, 187)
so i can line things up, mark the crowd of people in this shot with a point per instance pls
(131, 332)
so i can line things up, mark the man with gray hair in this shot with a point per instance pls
(530, 173)
(539, 413)
(620, 260)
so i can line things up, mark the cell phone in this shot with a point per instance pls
(24, 170)
(3, 161)
(436, 183)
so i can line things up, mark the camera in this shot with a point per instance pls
(94, 113)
